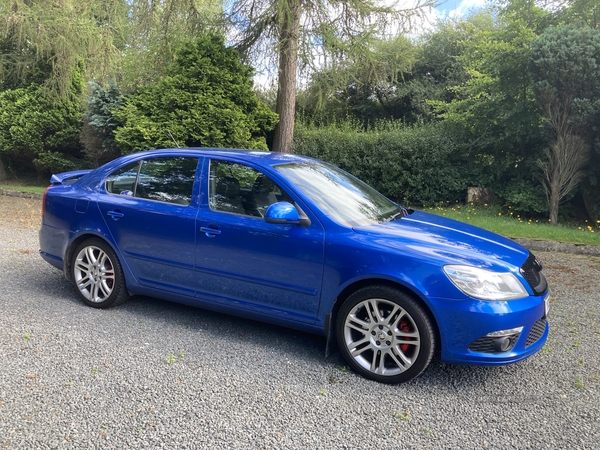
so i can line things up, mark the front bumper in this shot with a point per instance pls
(465, 327)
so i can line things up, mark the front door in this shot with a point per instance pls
(245, 262)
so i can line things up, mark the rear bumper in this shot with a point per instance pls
(53, 244)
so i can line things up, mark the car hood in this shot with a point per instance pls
(447, 241)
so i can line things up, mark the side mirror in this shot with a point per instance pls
(282, 212)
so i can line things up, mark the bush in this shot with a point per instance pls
(524, 197)
(412, 165)
(37, 130)
(205, 100)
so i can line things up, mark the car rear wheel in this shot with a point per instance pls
(97, 274)
(385, 335)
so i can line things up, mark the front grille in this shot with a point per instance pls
(486, 344)
(537, 331)
(532, 272)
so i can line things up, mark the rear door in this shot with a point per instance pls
(150, 208)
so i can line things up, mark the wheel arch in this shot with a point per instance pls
(75, 243)
(359, 284)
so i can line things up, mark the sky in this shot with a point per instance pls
(454, 8)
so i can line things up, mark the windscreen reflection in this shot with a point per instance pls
(339, 195)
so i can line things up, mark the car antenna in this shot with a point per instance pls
(168, 131)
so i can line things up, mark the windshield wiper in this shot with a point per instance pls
(404, 211)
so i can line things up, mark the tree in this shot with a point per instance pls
(362, 88)
(39, 132)
(98, 133)
(156, 28)
(132, 41)
(206, 99)
(565, 68)
(496, 107)
(581, 11)
(396, 81)
(55, 38)
(320, 33)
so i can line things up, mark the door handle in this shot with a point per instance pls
(210, 232)
(116, 215)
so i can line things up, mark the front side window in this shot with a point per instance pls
(240, 189)
(167, 179)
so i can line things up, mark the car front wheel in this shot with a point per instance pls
(97, 274)
(385, 335)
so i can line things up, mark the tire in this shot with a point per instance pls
(97, 274)
(385, 335)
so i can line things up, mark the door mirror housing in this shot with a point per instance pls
(283, 213)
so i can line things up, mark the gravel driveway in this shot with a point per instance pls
(152, 374)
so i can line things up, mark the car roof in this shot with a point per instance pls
(266, 157)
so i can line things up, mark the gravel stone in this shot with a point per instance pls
(154, 374)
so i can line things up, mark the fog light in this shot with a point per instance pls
(505, 340)
(510, 332)
(497, 341)
(503, 344)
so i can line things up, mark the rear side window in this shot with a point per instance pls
(168, 179)
(122, 181)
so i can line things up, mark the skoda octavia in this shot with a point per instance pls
(296, 242)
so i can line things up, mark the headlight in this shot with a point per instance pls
(485, 284)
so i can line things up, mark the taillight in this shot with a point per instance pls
(44, 200)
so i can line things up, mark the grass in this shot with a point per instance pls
(503, 221)
(22, 188)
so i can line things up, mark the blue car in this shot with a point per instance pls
(294, 241)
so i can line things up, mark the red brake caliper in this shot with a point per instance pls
(405, 327)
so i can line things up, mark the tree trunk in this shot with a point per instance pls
(554, 202)
(2, 171)
(286, 82)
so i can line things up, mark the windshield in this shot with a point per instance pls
(341, 196)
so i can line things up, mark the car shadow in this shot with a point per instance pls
(215, 325)
(293, 344)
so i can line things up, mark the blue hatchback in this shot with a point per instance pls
(297, 242)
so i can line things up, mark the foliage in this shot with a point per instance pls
(565, 68)
(100, 124)
(495, 107)
(206, 99)
(580, 12)
(402, 90)
(156, 28)
(363, 87)
(47, 43)
(523, 196)
(413, 165)
(39, 132)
